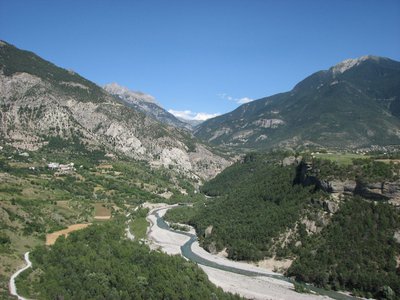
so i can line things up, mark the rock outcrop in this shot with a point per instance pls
(40, 101)
(145, 103)
(378, 191)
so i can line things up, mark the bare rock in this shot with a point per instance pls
(396, 236)
(35, 109)
(311, 227)
(208, 231)
(340, 187)
(372, 191)
(392, 190)
(331, 206)
(212, 248)
(289, 161)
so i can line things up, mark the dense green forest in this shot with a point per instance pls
(363, 169)
(256, 200)
(97, 263)
(357, 251)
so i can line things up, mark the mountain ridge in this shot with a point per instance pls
(40, 101)
(146, 104)
(353, 104)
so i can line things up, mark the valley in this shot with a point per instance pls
(269, 206)
(293, 196)
(237, 277)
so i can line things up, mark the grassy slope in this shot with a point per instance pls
(36, 202)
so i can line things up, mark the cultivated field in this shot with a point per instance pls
(52, 237)
(101, 212)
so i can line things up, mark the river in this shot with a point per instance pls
(186, 250)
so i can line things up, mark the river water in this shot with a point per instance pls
(190, 255)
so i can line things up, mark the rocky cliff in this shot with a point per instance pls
(146, 104)
(40, 100)
(377, 191)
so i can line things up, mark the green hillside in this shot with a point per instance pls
(36, 200)
(358, 107)
(356, 251)
(260, 209)
(14, 60)
(98, 263)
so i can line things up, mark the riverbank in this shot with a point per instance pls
(252, 287)
(158, 238)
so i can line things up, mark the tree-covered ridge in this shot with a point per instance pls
(257, 203)
(97, 263)
(364, 169)
(357, 251)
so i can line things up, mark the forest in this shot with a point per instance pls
(356, 251)
(253, 203)
(98, 263)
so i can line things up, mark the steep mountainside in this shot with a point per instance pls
(40, 100)
(269, 208)
(353, 104)
(146, 104)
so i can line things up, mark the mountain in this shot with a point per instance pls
(42, 103)
(353, 104)
(146, 104)
(192, 123)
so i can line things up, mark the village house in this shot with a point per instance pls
(61, 168)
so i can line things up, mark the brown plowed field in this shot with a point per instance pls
(52, 237)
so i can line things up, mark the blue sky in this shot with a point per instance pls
(202, 56)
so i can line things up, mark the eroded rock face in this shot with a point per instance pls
(373, 191)
(175, 156)
(343, 187)
(392, 190)
(208, 231)
(291, 161)
(331, 206)
(396, 236)
(206, 163)
(34, 109)
(378, 191)
(212, 248)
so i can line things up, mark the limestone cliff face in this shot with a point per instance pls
(39, 100)
(388, 191)
(146, 104)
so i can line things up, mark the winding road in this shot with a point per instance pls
(12, 286)
(236, 277)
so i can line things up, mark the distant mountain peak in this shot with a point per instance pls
(352, 62)
(145, 103)
(127, 94)
(354, 104)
